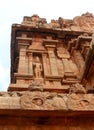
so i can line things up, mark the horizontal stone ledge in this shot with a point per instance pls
(10, 103)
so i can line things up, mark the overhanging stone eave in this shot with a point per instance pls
(57, 31)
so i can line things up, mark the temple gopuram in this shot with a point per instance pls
(52, 75)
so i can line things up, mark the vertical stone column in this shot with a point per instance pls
(60, 67)
(22, 58)
(65, 56)
(53, 62)
(46, 65)
(30, 63)
(66, 66)
(79, 61)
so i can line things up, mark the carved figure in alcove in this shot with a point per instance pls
(38, 68)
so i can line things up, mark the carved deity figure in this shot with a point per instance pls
(38, 68)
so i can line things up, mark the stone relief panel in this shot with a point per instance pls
(81, 102)
(77, 99)
(42, 101)
(35, 99)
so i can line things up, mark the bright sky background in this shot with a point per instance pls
(12, 11)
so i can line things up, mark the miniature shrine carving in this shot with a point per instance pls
(52, 53)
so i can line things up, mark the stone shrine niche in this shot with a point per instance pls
(37, 66)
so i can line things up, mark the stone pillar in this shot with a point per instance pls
(22, 58)
(53, 63)
(74, 68)
(30, 64)
(60, 67)
(65, 56)
(46, 65)
(79, 61)
(66, 66)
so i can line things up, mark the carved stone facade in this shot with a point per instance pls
(51, 53)
(52, 75)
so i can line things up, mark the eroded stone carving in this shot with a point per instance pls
(37, 100)
(42, 101)
(80, 101)
(36, 86)
(54, 24)
(56, 101)
(85, 22)
(77, 88)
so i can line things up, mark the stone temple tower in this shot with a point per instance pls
(52, 75)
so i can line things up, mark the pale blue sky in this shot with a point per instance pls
(12, 11)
